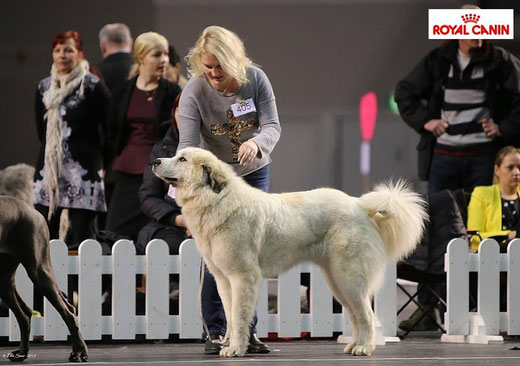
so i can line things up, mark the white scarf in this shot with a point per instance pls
(61, 87)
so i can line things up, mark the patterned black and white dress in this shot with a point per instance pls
(83, 144)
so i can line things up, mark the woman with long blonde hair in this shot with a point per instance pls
(228, 107)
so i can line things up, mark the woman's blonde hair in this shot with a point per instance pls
(227, 47)
(501, 154)
(143, 44)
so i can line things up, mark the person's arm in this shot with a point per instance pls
(98, 108)
(189, 120)
(411, 92)
(267, 117)
(478, 220)
(510, 82)
(39, 110)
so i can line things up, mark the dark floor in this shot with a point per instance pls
(418, 349)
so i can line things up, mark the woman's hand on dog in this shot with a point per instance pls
(247, 152)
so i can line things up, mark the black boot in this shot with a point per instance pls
(256, 345)
(212, 345)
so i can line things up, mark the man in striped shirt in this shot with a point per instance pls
(463, 99)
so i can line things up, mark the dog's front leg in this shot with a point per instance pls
(244, 295)
(224, 291)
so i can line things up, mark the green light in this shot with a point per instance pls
(392, 105)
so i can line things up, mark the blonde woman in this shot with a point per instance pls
(71, 106)
(139, 117)
(494, 211)
(228, 107)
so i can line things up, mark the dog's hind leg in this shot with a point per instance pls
(244, 296)
(47, 286)
(43, 278)
(344, 301)
(20, 310)
(352, 291)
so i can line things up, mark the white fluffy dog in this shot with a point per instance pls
(245, 234)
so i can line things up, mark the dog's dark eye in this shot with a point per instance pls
(182, 159)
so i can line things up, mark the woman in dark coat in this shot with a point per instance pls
(71, 108)
(157, 198)
(139, 117)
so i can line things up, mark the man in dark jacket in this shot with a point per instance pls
(463, 99)
(115, 42)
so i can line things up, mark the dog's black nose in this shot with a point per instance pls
(157, 162)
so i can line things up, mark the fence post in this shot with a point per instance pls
(190, 325)
(24, 287)
(320, 305)
(55, 328)
(157, 290)
(386, 304)
(513, 287)
(262, 308)
(488, 287)
(457, 291)
(89, 291)
(123, 290)
(289, 312)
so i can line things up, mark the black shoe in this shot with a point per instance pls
(212, 346)
(419, 321)
(256, 345)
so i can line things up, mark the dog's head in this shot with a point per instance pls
(195, 168)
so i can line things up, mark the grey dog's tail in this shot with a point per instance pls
(400, 214)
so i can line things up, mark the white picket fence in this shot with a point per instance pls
(484, 325)
(157, 323)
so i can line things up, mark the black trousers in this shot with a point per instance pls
(124, 214)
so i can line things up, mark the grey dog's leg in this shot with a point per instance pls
(40, 272)
(20, 310)
(46, 283)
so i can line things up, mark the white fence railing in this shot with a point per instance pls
(485, 324)
(157, 323)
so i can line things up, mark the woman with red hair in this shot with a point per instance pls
(71, 107)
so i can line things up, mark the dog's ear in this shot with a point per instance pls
(213, 179)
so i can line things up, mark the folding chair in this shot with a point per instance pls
(429, 281)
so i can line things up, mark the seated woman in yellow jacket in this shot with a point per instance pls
(494, 210)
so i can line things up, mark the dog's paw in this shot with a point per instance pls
(348, 348)
(78, 357)
(233, 351)
(362, 350)
(15, 356)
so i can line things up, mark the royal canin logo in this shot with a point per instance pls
(467, 29)
(470, 18)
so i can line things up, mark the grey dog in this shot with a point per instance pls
(24, 238)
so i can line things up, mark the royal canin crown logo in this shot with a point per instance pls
(470, 18)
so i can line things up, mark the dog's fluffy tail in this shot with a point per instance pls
(400, 214)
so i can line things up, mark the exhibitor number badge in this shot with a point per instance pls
(243, 107)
